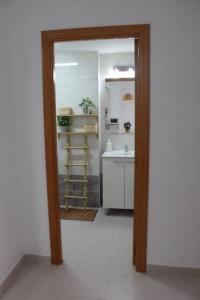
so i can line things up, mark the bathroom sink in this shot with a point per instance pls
(130, 154)
(118, 154)
(113, 154)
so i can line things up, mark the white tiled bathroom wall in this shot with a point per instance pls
(72, 84)
(111, 91)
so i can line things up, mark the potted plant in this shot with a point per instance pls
(85, 104)
(64, 122)
(127, 126)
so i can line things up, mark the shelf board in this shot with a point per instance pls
(76, 133)
(112, 123)
(75, 197)
(79, 115)
(121, 132)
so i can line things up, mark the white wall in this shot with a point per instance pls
(10, 248)
(111, 98)
(173, 234)
(72, 84)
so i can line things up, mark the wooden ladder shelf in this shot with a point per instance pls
(70, 164)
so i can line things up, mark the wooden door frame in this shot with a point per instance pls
(142, 111)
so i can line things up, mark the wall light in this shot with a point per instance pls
(71, 64)
(123, 68)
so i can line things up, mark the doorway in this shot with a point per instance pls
(141, 34)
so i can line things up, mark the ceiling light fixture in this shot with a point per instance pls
(128, 68)
(71, 64)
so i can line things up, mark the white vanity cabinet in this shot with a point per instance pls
(128, 182)
(113, 182)
(118, 182)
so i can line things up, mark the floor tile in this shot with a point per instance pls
(95, 262)
(72, 244)
(80, 298)
(123, 243)
(52, 283)
(75, 227)
(23, 289)
(98, 266)
(87, 284)
(99, 242)
(121, 264)
(126, 288)
(193, 288)
(165, 288)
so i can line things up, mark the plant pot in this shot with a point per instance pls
(127, 129)
(86, 110)
(64, 128)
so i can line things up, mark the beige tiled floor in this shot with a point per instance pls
(98, 266)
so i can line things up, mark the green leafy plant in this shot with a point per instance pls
(86, 102)
(64, 121)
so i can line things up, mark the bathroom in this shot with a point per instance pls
(95, 117)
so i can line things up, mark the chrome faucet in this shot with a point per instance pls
(126, 149)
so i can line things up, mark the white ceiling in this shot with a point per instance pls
(102, 46)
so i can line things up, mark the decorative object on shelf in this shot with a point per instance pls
(127, 126)
(65, 111)
(90, 128)
(109, 145)
(128, 97)
(64, 123)
(86, 104)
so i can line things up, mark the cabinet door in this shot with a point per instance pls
(113, 183)
(129, 183)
